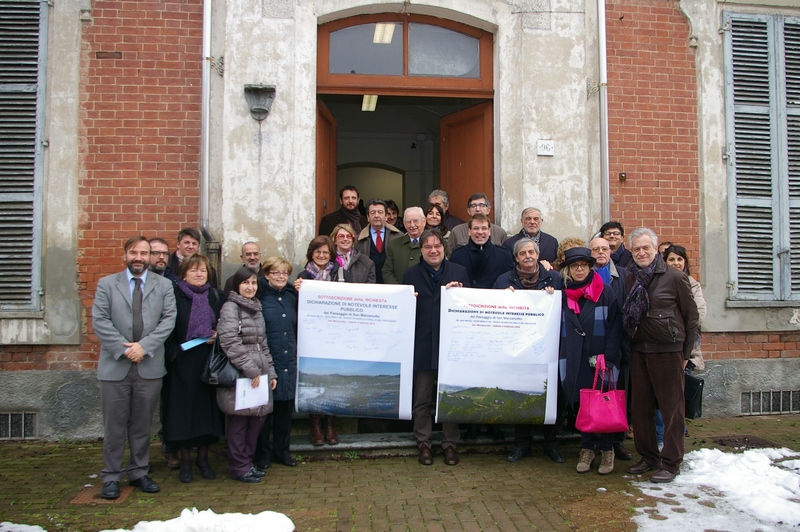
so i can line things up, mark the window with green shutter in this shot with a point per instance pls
(762, 92)
(23, 47)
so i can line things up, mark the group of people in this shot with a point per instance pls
(635, 307)
(158, 322)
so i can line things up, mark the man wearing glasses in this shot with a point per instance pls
(615, 235)
(159, 255)
(404, 252)
(477, 204)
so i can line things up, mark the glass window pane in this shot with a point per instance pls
(375, 48)
(437, 51)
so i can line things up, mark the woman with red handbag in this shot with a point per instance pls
(591, 325)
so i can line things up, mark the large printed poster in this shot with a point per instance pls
(498, 356)
(355, 346)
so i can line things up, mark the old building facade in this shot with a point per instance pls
(126, 117)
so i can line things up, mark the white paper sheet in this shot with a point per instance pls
(249, 397)
(355, 346)
(498, 356)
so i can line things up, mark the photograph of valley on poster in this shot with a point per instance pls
(519, 403)
(348, 387)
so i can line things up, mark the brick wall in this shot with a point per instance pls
(652, 107)
(717, 346)
(140, 135)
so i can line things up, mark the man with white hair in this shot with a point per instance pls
(404, 252)
(531, 220)
(660, 317)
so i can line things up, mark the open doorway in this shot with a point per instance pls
(409, 146)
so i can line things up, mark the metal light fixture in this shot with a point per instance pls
(369, 102)
(259, 98)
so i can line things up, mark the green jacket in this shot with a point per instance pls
(401, 254)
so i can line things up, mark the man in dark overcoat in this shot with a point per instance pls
(433, 272)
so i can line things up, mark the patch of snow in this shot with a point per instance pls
(5, 526)
(736, 492)
(207, 521)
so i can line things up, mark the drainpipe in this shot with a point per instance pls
(605, 185)
(212, 246)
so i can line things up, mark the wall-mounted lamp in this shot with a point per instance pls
(623, 176)
(259, 98)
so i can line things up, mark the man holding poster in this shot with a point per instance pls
(433, 272)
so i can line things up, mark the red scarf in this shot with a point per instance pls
(590, 290)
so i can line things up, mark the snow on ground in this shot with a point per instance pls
(194, 521)
(756, 490)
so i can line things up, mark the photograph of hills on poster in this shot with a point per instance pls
(349, 387)
(461, 404)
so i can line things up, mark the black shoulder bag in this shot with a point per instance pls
(219, 370)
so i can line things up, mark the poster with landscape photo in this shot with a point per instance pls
(498, 356)
(355, 347)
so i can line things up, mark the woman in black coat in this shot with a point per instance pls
(591, 325)
(190, 413)
(279, 305)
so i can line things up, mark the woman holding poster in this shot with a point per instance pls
(321, 266)
(591, 326)
(243, 338)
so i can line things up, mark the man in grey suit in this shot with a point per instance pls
(132, 316)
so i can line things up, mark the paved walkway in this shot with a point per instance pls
(335, 490)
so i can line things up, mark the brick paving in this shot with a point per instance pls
(331, 491)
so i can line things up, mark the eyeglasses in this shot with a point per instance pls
(478, 206)
(344, 236)
(580, 266)
(160, 253)
(613, 233)
(321, 252)
(279, 274)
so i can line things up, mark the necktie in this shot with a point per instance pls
(378, 242)
(414, 241)
(138, 321)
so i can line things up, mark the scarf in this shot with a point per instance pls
(638, 301)
(344, 259)
(605, 273)
(319, 274)
(618, 253)
(590, 288)
(529, 280)
(354, 217)
(435, 275)
(251, 305)
(201, 316)
(535, 237)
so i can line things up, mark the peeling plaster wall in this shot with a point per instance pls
(545, 51)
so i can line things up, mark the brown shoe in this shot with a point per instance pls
(316, 429)
(621, 452)
(450, 456)
(425, 456)
(330, 432)
(663, 476)
(642, 467)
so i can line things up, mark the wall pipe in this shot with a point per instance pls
(605, 184)
(212, 246)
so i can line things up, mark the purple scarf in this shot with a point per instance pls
(201, 316)
(319, 274)
(638, 302)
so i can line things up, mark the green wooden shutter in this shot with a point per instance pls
(23, 26)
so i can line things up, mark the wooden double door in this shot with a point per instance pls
(466, 157)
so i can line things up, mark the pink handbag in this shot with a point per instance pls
(602, 411)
